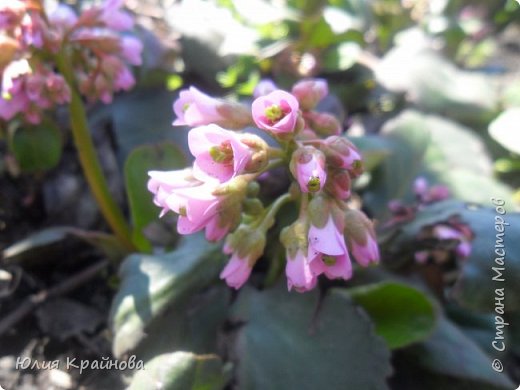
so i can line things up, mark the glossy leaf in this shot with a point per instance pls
(284, 335)
(152, 284)
(180, 371)
(402, 315)
(449, 352)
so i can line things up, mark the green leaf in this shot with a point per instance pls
(504, 129)
(407, 140)
(165, 156)
(192, 324)
(373, 149)
(450, 352)
(402, 314)
(152, 284)
(458, 158)
(180, 371)
(50, 241)
(36, 148)
(284, 336)
(433, 84)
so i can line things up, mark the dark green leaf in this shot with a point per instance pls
(37, 148)
(452, 353)
(152, 284)
(180, 371)
(402, 314)
(285, 344)
(476, 288)
(407, 140)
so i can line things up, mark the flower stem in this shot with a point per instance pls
(89, 160)
(268, 220)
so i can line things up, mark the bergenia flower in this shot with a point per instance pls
(131, 50)
(277, 112)
(236, 272)
(194, 108)
(361, 238)
(322, 123)
(328, 252)
(309, 92)
(219, 153)
(264, 87)
(341, 153)
(308, 167)
(246, 245)
(114, 17)
(299, 273)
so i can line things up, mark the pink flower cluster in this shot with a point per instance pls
(219, 193)
(33, 42)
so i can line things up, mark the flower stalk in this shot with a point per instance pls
(89, 160)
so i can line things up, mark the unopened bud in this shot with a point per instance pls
(360, 236)
(339, 184)
(323, 123)
(309, 92)
(341, 153)
(234, 116)
(247, 242)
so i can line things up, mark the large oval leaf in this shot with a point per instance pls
(180, 371)
(151, 284)
(286, 344)
(402, 314)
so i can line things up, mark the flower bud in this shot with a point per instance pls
(246, 245)
(309, 92)
(322, 123)
(339, 184)
(341, 153)
(194, 108)
(308, 167)
(361, 237)
(264, 87)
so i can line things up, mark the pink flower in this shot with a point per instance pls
(308, 167)
(131, 50)
(341, 153)
(11, 13)
(124, 79)
(63, 16)
(299, 273)
(194, 108)
(328, 252)
(445, 232)
(277, 112)
(359, 232)
(219, 153)
(199, 205)
(236, 272)
(114, 17)
(264, 87)
(309, 92)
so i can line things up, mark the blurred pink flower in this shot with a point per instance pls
(264, 87)
(194, 108)
(277, 112)
(114, 17)
(131, 49)
(309, 92)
